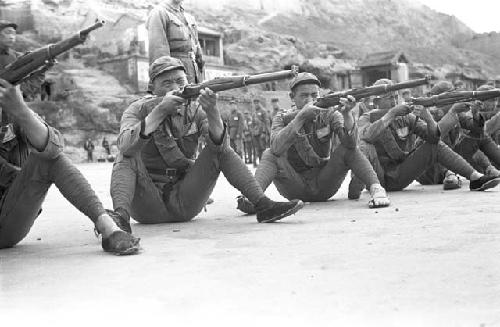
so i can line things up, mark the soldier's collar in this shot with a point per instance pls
(4, 50)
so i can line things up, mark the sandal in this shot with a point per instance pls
(379, 199)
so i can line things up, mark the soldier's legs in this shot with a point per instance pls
(356, 185)
(433, 175)
(133, 191)
(342, 159)
(198, 184)
(21, 203)
(267, 170)
(491, 150)
(249, 151)
(424, 156)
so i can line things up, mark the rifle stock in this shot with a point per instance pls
(233, 82)
(333, 99)
(41, 59)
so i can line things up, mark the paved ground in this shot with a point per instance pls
(431, 259)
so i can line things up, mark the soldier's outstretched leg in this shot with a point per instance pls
(199, 183)
(23, 200)
(333, 174)
(356, 186)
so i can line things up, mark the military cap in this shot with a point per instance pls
(304, 78)
(485, 87)
(441, 87)
(383, 81)
(164, 64)
(6, 23)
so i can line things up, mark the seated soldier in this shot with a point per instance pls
(156, 177)
(389, 136)
(466, 137)
(31, 160)
(312, 149)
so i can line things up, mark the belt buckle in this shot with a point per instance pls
(171, 173)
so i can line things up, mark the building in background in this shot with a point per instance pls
(393, 65)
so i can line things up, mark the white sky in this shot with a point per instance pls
(480, 15)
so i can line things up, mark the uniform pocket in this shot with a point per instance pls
(176, 31)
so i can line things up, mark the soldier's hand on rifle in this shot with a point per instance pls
(400, 110)
(423, 113)
(347, 104)
(207, 99)
(461, 107)
(171, 104)
(308, 112)
(11, 98)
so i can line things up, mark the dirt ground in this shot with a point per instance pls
(431, 259)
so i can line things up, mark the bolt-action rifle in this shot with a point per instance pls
(234, 82)
(333, 99)
(455, 97)
(39, 61)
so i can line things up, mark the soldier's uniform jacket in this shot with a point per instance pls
(311, 145)
(395, 142)
(15, 149)
(236, 124)
(172, 145)
(174, 33)
(260, 125)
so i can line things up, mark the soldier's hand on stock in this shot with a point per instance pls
(347, 104)
(11, 98)
(423, 113)
(171, 104)
(308, 112)
(461, 107)
(207, 99)
(400, 110)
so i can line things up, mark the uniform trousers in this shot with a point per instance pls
(315, 184)
(22, 201)
(133, 189)
(399, 176)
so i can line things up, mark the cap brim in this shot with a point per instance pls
(305, 81)
(167, 69)
(13, 25)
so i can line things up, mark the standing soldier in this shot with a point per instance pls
(89, 147)
(156, 177)
(30, 87)
(7, 41)
(173, 32)
(312, 150)
(247, 134)
(236, 126)
(260, 130)
(105, 145)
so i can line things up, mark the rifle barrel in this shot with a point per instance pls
(333, 99)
